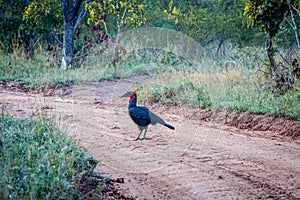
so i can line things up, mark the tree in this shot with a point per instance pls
(23, 21)
(12, 28)
(42, 17)
(268, 14)
(293, 6)
(124, 13)
(211, 21)
(74, 12)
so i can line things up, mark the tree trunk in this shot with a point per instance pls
(294, 26)
(29, 45)
(270, 53)
(221, 40)
(68, 45)
(72, 17)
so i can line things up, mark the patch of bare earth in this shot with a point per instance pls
(210, 155)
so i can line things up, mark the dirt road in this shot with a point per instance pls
(199, 160)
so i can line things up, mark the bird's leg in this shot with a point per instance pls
(138, 137)
(145, 133)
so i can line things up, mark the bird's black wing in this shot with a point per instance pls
(140, 115)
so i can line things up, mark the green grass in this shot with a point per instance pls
(38, 161)
(237, 90)
(230, 82)
(40, 72)
(34, 73)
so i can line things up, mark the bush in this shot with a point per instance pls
(38, 161)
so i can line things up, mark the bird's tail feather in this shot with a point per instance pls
(156, 119)
(170, 126)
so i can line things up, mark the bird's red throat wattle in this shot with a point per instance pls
(133, 96)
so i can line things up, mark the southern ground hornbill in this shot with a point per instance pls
(142, 116)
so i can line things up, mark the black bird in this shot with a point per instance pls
(142, 116)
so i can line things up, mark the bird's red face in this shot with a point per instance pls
(132, 96)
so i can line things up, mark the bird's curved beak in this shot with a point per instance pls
(127, 94)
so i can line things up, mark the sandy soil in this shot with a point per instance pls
(201, 159)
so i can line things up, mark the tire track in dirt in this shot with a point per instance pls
(200, 160)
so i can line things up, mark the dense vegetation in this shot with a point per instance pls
(38, 161)
(241, 55)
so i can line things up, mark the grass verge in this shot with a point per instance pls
(38, 161)
(235, 89)
(41, 73)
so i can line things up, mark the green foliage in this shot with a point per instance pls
(119, 14)
(234, 93)
(43, 16)
(147, 62)
(267, 14)
(40, 74)
(231, 83)
(248, 94)
(208, 21)
(38, 161)
(11, 16)
(156, 16)
(177, 88)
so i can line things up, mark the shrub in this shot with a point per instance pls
(38, 161)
